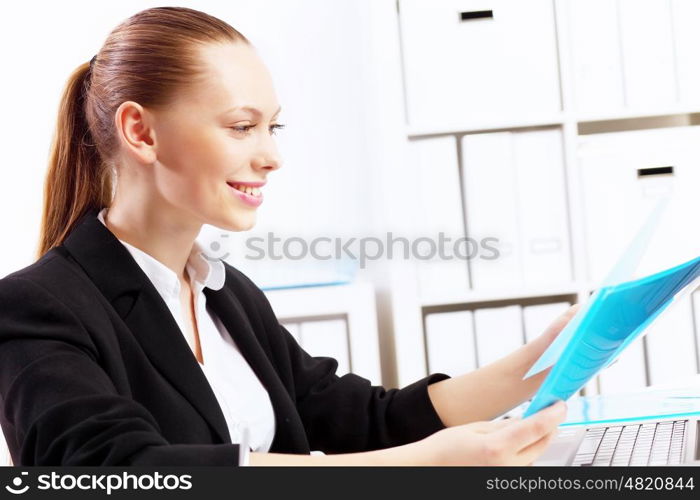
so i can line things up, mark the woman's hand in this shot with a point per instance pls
(511, 441)
(493, 389)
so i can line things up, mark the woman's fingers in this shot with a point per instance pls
(528, 454)
(524, 432)
(556, 326)
(493, 425)
(572, 310)
(560, 322)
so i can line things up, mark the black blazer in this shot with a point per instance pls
(95, 371)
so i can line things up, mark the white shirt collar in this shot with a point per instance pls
(205, 271)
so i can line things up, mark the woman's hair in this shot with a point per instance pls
(148, 59)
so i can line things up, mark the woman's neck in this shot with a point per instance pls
(156, 233)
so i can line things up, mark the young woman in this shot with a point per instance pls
(123, 344)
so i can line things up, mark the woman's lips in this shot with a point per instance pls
(257, 184)
(253, 199)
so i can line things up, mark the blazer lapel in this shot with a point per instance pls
(290, 436)
(113, 270)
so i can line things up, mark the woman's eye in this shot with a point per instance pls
(246, 128)
(276, 126)
(242, 128)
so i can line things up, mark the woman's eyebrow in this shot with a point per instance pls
(251, 109)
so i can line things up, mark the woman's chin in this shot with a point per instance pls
(240, 223)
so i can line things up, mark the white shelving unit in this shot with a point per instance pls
(575, 123)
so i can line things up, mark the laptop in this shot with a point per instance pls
(638, 442)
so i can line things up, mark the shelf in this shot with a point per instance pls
(491, 124)
(583, 68)
(542, 295)
(319, 301)
(587, 118)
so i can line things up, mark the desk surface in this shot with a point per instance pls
(681, 398)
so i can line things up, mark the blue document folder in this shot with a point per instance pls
(613, 317)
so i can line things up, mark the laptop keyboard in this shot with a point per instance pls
(656, 443)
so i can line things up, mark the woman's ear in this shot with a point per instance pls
(136, 132)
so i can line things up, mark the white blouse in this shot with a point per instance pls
(243, 399)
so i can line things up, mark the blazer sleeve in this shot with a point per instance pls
(348, 414)
(59, 407)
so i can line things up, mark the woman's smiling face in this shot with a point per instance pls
(216, 136)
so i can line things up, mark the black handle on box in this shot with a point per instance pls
(651, 171)
(476, 14)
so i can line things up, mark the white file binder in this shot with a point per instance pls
(450, 342)
(542, 208)
(327, 338)
(617, 197)
(433, 177)
(490, 192)
(686, 19)
(595, 42)
(671, 345)
(648, 53)
(467, 59)
(537, 318)
(514, 192)
(499, 332)
(642, 55)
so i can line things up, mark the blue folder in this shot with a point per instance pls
(614, 316)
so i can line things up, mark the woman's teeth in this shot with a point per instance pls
(253, 191)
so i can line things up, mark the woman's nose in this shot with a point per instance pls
(267, 163)
(269, 158)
